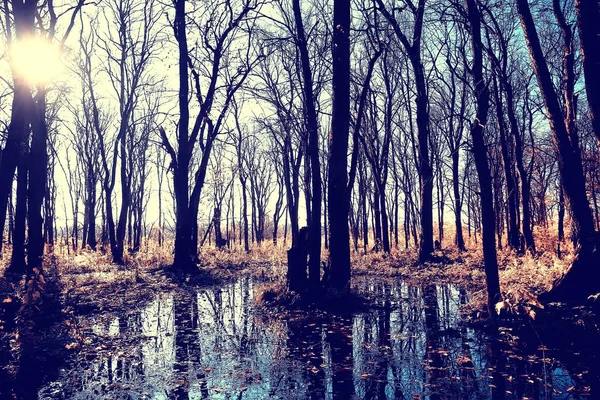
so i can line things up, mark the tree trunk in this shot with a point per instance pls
(377, 218)
(37, 181)
(314, 211)
(11, 220)
(511, 193)
(17, 262)
(245, 215)
(385, 229)
(481, 162)
(18, 131)
(339, 240)
(91, 211)
(588, 15)
(561, 213)
(296, 271)
(183, 226)
(425, 170)
(577, 283)
(523, 175)
(219, 241)
(183, 230)
(459, 240)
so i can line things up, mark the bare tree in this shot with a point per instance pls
(413, 50)
(28, 116)
(480, 154)
(224, 26)
(339, 203)
(575, 285)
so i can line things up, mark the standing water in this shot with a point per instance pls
(216, 344)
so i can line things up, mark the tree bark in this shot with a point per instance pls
(511, 193)
(314, 240)
(422, 104)
(37, 181)
(17, 261)
(18, 130)
(183, 226)
(481, 162)
(339, 240)
(588, 15)
(578, 282)
(523, 174)
(245, 214)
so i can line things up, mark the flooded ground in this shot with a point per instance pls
(215, 344)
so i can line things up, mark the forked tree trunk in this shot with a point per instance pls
(183, 226)
(581, 280)
(422, 108)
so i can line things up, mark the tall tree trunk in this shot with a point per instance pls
(17, 261)
(422, 104)
(37, 181)
(561, 213)
(219, 241)
(49, 207)
(314, 239)
(159, 175)
(440, 200)
(11, 219)
(523, 175)
(481, 162)
(385, 228)
(91, 217)
(588, 15)
(339, 240)
(245, 215)
(459, 240)
(125, 200)
(18, 131)
(511, 191)
(325, 211)
(396, 212)
(576, 284)
(183, 226)
(377, 217)
(425, 170)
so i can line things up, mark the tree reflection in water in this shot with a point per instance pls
(214, 343)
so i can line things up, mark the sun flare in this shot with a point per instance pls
(36, 60)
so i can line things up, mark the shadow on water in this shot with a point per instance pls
(32, 343)
(214, 344)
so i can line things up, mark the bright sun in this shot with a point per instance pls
(36, 60)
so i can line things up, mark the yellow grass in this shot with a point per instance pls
(522, 278)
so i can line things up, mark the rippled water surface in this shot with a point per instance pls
(215, 344)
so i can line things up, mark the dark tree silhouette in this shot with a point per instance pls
(338, 201)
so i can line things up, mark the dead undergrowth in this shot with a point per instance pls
(87, 286)
(90, 282)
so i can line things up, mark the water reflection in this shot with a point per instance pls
(213, 345)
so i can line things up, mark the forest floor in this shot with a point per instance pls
(45, 325)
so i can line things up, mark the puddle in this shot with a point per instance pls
(214, 345)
